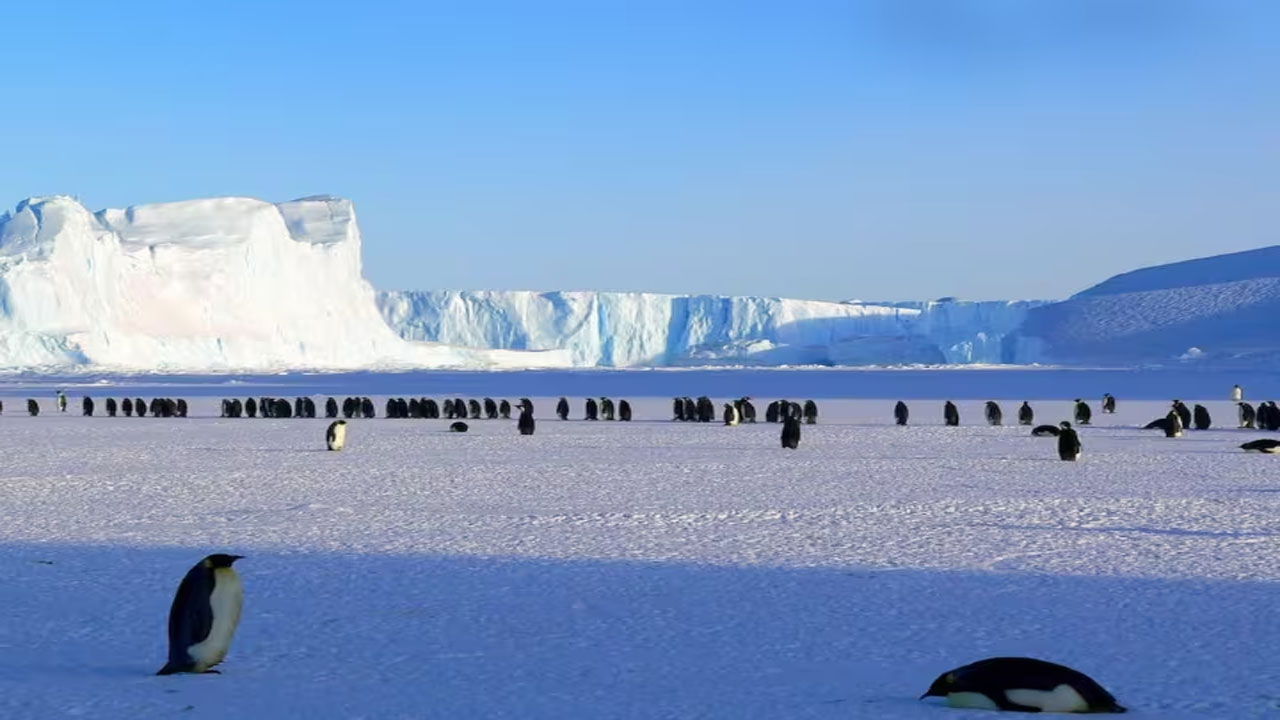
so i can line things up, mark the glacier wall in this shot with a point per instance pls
(645, 329)
(201, 285)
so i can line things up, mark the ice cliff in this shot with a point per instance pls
(201, 285)
(644, 329)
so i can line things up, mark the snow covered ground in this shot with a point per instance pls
(643, 570)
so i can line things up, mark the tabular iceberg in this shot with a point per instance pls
(201, 285)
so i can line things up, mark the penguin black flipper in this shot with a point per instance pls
(190, 618)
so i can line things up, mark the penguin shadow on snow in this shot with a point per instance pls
(337, 635)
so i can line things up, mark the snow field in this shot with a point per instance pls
(644, 570)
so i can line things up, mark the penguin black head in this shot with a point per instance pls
(1064, 424)
(940, 687)
(220, 560)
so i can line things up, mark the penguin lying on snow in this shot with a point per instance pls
(1265, 445)
(1025, 684)
(458, 427)
(204, 615)
(1045, 431)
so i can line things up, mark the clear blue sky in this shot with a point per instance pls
(893, 149)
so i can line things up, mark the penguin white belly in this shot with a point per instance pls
(971, 700)
(1063, 699)
(225, 601)
(339, 438)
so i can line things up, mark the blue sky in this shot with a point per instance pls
(897, 149)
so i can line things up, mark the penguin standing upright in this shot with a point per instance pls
(1023, 684)
(1108, 403)
(592, 410)
(994, 414)
(204, 615)
(747, 410)
(1173, 424)
(331, 408)
(950, 415)
(1083, 412)
(504, 409)
(1184, 413)
(901, 413)
(335, 437)
(111, 407)
(730, 414)
(810, 412)
(86, 406)
(1026, 415)
(1068, 442)
(1200, 416)
(1246, 415)
(33, 407)
(791, 432)
(526, 423)
(62, 402)
(677, 409)
(606, 409)
(126, 406)
(771, 411)
(624, 411)
(1237, 393)
(562, 409)
(490, 409)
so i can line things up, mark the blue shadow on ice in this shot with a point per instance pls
(411, 636)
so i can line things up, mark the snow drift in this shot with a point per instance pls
(1221, 309)
(644, 329)
(216, 284)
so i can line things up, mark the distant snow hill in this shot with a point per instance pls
(198, 286)
(1223, 310)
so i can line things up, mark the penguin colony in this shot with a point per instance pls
(207, 606)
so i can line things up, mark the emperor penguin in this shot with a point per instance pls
(1045, 431)
(810, 412)
(791, 432)
(994, 415)
(1183, 412)
(504, 409)
(950, 415)
(677, 409)
(771, 412)
(901, 413)
(126, 406)
(62, 402)
(1173, 424)
(458, 427)
(1026, 415)
(490, 409)
(592, 410)
(624, 411)
(473, 408)
(86, 406)
(1083, 412)
(33, 407)
(1246, 415)
(1108, 403)
(331, 408)
(336, 435)
(562, 408)
(111, 407)
(204, 615)
(730, 414)
(1271, 446)
(1068, 442)
(1022, 684)
(1200, 416)
(1237, 393)
(526, 423)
